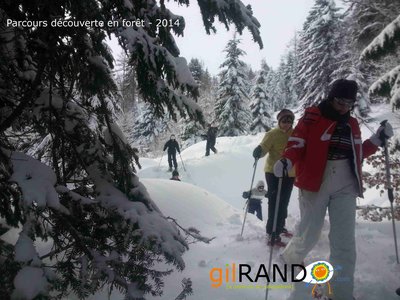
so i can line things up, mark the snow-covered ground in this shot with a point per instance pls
(209, 198)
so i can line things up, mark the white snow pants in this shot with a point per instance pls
(338, 193)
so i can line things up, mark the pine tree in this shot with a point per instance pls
(350, 67)
(191, 130)
(145, 129)
(369, 17)
(196, 67)
(261, 104)
(287, 73)
(318, 51)
(273, 88)
(67, 173)
(127, 84)
(232, 106)
(387, 42)
(282, 86)
(362, 22)
(251, 78)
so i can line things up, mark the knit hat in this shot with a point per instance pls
(343, 88)
(175, 173)
(285, 113)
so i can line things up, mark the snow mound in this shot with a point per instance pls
(182, 201)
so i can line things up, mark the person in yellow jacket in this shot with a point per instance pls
(273, 143)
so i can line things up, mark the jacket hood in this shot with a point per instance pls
(260, 183)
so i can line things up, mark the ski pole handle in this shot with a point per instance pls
(382, 134)
(390, 194)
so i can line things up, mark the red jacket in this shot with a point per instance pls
(308, 147)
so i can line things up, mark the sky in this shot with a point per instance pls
(279, 20)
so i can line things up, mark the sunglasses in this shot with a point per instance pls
(344, 102)
(260, 187)
(286, 120)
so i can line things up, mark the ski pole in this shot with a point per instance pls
(365, 123)
(390, 190)
(277, 202)
(183, 165)
(247, 202)
(159, 164)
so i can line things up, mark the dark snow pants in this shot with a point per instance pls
(255, 207)
(286, 191)
(210, 145)
(172, 159)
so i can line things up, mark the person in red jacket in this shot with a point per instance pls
(327, 150)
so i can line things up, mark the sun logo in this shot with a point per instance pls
(318, 273)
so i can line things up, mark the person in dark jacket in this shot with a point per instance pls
(211, 139)
(175, 175)
(255, 197)
(172, 146)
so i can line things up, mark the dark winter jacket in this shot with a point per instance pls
(212, 133)
(172, 146)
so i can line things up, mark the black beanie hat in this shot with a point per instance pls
(175, 173)
(343, 88)
(285, 113)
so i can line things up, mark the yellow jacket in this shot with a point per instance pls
(273, 143)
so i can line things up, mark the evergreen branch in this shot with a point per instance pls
(385, 42)
(186, 289)
(194, 233)
(28, 99)
(76, 235)
(56, 251)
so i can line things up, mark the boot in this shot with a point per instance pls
(278, 242)
(286, 233)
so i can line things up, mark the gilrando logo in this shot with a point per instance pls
(316, 273)
(218, 275)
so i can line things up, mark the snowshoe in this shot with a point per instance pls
(278, 242)
(332, 299)
(318, 293)
(286, 233)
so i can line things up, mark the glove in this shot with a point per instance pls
(257, 152)
(245, 195)
(384, 132)
(281, 165)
